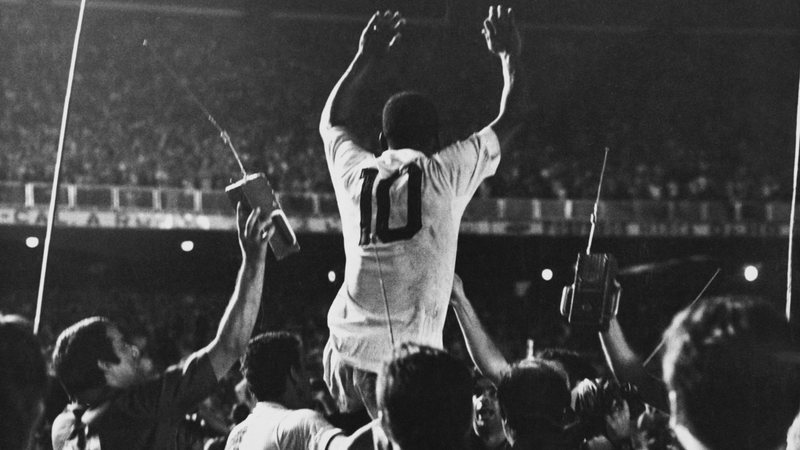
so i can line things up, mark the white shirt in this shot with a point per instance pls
(410, 218)
(271, 426)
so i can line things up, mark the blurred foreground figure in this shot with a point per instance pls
(23, 382)
(424, 399)
(534, 403)
(114, 405)
(732, 375)
(401, 211)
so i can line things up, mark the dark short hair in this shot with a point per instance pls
(425, 395)
(734, 370)
(77, 351)
(410, 121)
(533, 398)
(23, 381)
(595, 399)
(269, 361)
(577, 367)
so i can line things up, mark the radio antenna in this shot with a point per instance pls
(593, 217)
(226, 138)
(663, 340)
(383, 289)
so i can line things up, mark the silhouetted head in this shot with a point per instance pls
(424, 398)
(274, 370)
(23, 382)
(410, 121)
(533, 400)
(732, 372)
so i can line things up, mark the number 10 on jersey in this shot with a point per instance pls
(384, 207)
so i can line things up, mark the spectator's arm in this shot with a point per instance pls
(237, 322)
(502, 39)
(628, 367)
(380, 34)
(484, 353)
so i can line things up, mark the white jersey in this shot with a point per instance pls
(400, 214)
(273, 427)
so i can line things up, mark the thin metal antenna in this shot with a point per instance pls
(383, 289)
(593, 217)
(226, 138)
(53, 211)
(663, 341)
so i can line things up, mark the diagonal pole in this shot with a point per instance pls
(57, 172)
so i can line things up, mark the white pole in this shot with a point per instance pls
(57, 173)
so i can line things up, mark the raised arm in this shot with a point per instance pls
(502, 39)
(237, 322)
(628, 367)
(484, 353)
(380, 34)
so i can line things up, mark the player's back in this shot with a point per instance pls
(400, 218)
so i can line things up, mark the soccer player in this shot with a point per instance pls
(401, 211)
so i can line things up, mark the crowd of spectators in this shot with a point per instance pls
(610, 407)
(721, 132)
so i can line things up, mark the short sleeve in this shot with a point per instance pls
(176, 391)
(465, 164)
(342, 153)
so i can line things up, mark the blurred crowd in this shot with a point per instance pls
(721, 132)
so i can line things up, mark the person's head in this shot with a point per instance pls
(533, 400)
(486, 423)
(93, 354)
(424, 399)
(274, 370)
(410, 121)
(23, 382)
(576, 366)
(732, 374)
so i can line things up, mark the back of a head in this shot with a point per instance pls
(410, 120)
(23, 382)
(425, 398)
(533, 399)
(577, 367)
(734, 373)
(77, 351)
(269, 360)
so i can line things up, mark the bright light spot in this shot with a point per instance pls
(547, 274)
(187, 246)
(332, 276)
(32, 241)
(750, 273)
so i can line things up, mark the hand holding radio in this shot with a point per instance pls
(254, 191)
(592, 300)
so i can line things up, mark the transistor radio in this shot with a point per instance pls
(254, 191)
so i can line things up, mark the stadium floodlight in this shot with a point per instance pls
(750, 273)
(32, 241)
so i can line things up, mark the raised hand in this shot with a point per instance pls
(501, 33)
(381, 33)
(254, 231)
